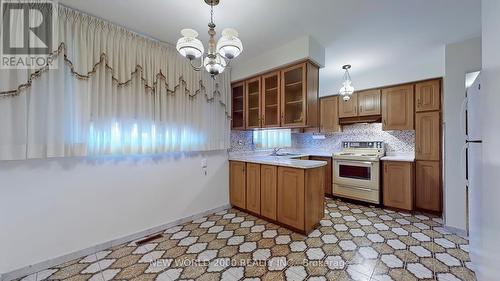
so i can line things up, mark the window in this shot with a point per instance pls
(272, 138)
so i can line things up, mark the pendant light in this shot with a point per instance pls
(347, 89)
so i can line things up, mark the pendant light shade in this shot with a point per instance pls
(229, 45)
(347, 89)
(214, 64)
(189, 46)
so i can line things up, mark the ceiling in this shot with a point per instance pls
(365, 33)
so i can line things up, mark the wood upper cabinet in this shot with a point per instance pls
(397, 108)
(293, 102)
(369, 103)
(328, 173)
(329, 115)
(398, 184)
(427, 135)
(253, 103)
(428, 96)
(271, 99)
(237, 184)
(253, 188)
(238, 106)
(268, 191)
(428, 186)
(291, 198)
(348, 108)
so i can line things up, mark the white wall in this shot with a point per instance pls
(299, 49)
(461, 58)
(50, 208)
(486, 258)
(421, 65)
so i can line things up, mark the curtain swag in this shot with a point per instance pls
(113, 92)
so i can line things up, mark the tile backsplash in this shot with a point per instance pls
(395, 141)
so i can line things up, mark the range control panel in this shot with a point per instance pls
(363, 144)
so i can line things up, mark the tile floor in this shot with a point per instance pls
(353, 243)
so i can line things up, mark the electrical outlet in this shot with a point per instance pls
(240, 142)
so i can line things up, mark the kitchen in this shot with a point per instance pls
(285, 140)
(378, 146)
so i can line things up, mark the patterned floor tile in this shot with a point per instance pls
(353, 242)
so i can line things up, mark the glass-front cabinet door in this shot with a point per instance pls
(253, 109)
(271, 99)
(293, 91)
(238, 105)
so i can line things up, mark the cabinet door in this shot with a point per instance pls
(238, 106)
(253, 102)
(428, 96)
(271, 99)
(291, 197)
(369, 103)
(397, 108)
(237, 190)
(428, 186)
(348, 108)
(253, 187)
(293, 96)
(328, 173)
(329, 115)
(268, 191)
(398, 185)
(427, 135)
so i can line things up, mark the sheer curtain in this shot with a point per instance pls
(114, 92)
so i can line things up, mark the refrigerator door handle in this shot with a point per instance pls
(462, 157)
(463, 116)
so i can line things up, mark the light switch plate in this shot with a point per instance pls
(204, 163)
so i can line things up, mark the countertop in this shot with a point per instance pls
(284, 161)
(401, 157)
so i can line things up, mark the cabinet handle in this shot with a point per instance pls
(355, 109)
(419, 102)
(360, 108)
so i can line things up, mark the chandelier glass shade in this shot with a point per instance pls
(347, 89)
(218, 55)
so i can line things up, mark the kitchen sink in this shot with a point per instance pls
(284, 154)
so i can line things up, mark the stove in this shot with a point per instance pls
(356, 171)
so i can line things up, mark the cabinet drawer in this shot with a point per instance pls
(362, 194)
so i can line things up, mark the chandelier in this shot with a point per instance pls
(218, 55)
(347, 89)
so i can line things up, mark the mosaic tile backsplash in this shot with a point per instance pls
(395, 141)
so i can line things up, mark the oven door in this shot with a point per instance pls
(356, 173)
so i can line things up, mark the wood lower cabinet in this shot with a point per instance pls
(328, 173)
(348, 108)
(369, 103)
(428, 96)
(329, 115)
(237, 184)
(398, 182)
(300, 197)
(428, 186)
(428, 135)
(253, 188)
(397, 108)
(268, 191)
(291, 197)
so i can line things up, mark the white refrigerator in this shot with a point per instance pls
(473, 144)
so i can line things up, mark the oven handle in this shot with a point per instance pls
(355, 162)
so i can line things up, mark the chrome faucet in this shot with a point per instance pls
(275, 151)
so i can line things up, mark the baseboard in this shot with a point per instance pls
(457, 231)
(30, 269)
